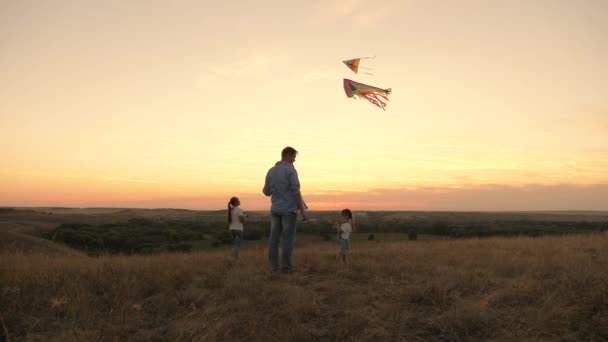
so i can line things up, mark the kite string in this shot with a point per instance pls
(364, 68)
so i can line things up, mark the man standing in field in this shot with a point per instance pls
(283, 185)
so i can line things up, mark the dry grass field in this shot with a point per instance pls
(499, 289)
(15, 242)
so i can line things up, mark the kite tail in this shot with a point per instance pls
(375, 101)
(376, 98)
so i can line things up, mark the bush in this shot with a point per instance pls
(253, 235)
(180, 247)
(134, 236)
(440, 228)
(224, 236)
(412, 234)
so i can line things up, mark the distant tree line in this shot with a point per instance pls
(484, 229)
(147, 236)
(150, 235)
(462, 229)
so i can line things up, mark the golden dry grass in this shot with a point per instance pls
(518, 289)
(15, 242)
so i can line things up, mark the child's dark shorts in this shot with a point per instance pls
(344, 245)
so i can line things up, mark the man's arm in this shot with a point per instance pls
(295, 189)
(301, 206)
(266, 190)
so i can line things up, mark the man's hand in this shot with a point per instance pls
(301, 206)
(304, 214)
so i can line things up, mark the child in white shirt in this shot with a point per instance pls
(344, 228)
(236, 218)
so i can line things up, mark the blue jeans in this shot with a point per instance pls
(281, 225)
(237, 236)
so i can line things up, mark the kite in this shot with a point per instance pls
(353, 64)
(372, 94)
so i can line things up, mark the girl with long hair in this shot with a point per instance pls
(236, 218)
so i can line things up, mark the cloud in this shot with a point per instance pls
(584, 121)
(202, 202)
(340, 8)
(90, 176)
(129, 180)
(251, 64)
(490, 197)
(57, 175)
(360, 13)
(233, 180)
(141, 138)
(328, 191)
(315, 76)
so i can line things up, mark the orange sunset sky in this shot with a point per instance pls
(496, 105)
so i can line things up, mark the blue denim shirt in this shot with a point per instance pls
(282, 184)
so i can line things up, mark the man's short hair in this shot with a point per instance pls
(288, 151)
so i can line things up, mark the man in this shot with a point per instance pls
(283, 185)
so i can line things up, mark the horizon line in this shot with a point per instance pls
(319, 210)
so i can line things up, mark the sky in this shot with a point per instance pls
(496, 105)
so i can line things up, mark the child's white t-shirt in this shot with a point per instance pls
(346, 230)
(236, 223)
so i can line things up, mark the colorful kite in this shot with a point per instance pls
(372, 94)
(353, 64)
